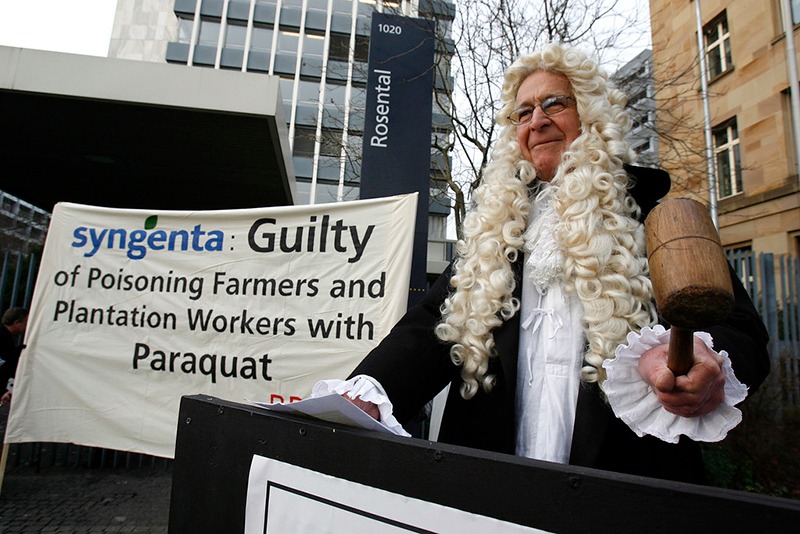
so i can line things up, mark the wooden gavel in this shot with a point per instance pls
(690, 274)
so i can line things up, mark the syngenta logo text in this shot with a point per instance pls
(138, 242)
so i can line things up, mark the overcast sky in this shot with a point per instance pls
(75, 26)
(84, 26)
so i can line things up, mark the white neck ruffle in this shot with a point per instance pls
(545, 258)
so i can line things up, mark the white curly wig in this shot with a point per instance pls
(598, 233)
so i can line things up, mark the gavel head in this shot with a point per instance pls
(690, 275)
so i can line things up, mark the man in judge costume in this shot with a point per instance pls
(535, 324)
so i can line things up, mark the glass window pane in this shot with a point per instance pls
(287, 41)
(358, 97)
(184, 30)
(303, 192)
(711, 33)
(714, 62)
(235, 36)
(313, 45)
(362, 48)
(350, 192)
(308, 92)
(287, 87)
(720, 137)
(261, 39)
(335, 95)
(728, 58)
(303, 142)
(331, 143)
(339, 47)
(724, 173)
(342, 6)
(328, 168)
(209, 33)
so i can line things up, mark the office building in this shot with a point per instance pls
(635, 79)
(319, 49)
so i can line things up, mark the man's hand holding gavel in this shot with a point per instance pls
(696, 393)
(692, 287)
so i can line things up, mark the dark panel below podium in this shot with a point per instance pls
(217, 439)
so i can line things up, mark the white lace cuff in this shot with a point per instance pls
(368, 389)
(636, 403)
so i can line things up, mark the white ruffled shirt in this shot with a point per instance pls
(548, 373)
(550, 351)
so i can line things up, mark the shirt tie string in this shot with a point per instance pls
(536, 317)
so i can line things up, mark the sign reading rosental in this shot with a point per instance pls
(134, 308)
(397, 126)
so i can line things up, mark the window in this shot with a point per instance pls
(795, 11)
(287, 88)
(209, 33)
(644, 147)
(235, 36)
(313, 45)
(331, 143)
(718, 46)
(343, 6)
(358, 97)
(729, 166)
(185, 30)
(362, 48)
(335, 95)
(440, 141)
(261, 39)
(307, 91)
(340, 47)
(287, 41)
(442, 103)
(304, 138)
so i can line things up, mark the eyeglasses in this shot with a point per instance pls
(550, 106)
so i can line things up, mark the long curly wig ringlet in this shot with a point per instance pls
(598, 233)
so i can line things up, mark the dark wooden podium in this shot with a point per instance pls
(217, 439)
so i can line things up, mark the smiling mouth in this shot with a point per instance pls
(543, 143)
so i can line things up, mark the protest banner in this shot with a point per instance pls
(135, 308)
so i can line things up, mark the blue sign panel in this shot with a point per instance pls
(396, 155)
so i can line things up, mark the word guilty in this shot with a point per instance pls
(266, 236)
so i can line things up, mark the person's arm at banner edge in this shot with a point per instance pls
(366, 394)
(410, 365)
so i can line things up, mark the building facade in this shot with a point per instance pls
(752, 180)
(635, 79)
(319, 49)
(23, 226)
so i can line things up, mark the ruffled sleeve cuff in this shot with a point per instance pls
(636, 403)
(368, 389)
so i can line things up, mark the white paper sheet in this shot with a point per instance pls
(331, 408)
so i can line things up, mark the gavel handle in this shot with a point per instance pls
(681, 350)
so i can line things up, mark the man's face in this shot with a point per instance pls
(545, 138)
(18, 327)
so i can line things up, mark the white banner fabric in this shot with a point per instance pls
(135, 308)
